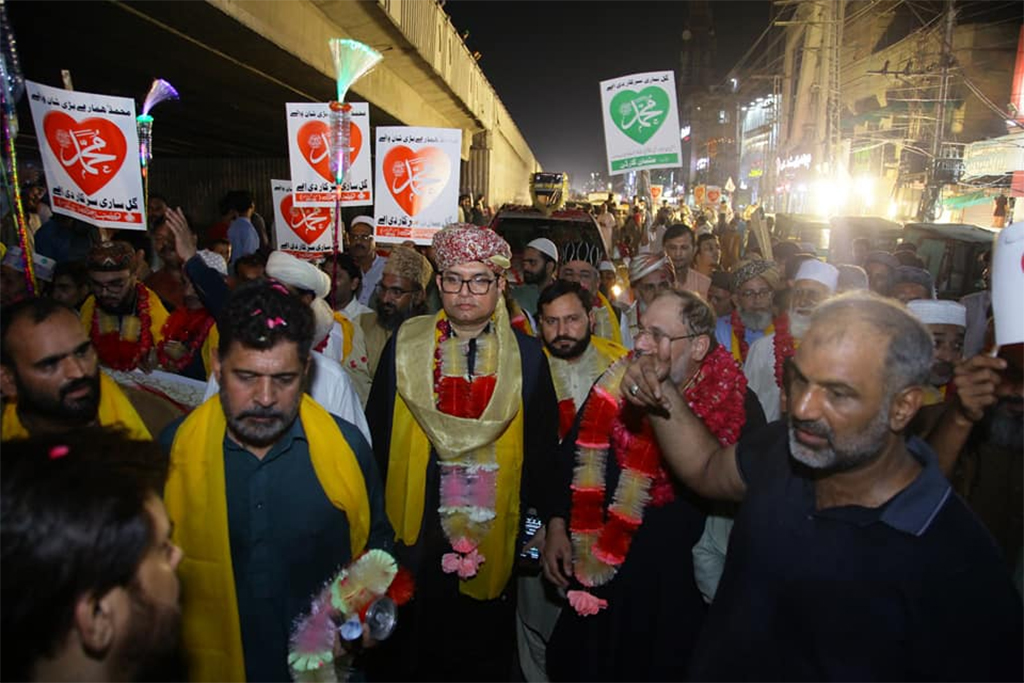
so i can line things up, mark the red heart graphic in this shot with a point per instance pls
(307, 222)
(91, 151)
(415, 179)
(314, 138)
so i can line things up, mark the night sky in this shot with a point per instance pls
(546, 58)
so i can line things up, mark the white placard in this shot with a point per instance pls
(303, 231)
(417, 182)
(309, 155)
(641, 124)
(1007, 284)
(90, 149)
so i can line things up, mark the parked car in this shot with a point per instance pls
(951, 253)
(519, 225)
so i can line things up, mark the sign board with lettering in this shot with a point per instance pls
(309, 155)
(641, 122)
(417, 181)
(303, 231)
(90, 149)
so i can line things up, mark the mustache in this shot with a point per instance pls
(571, 340)
(815, 427)
(75, 385)
(261, 413)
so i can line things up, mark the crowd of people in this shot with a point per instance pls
(679, 454)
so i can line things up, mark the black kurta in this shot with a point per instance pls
(655, 611)
(443, 634)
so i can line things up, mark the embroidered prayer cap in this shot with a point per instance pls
(298, 273)
(818, 271)
(464, 242)
(214, 260)
(110, 257)
(546, 247)
(883, 257)
(581, 251)
(43, 265)
(917, 276)
(744, 272)
(408, 263)
(939, 312)
(365, 220)
(643, 265)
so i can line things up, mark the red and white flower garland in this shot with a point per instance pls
(601, 538)
(122, 341)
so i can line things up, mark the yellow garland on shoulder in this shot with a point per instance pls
(606, 320)
(157, 315)
(196, 503)
(347, 331)
(418, 426)
(115, 410)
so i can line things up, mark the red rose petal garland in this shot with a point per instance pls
(785, 347)
(108, 332)
(186, 327)
(601, 539)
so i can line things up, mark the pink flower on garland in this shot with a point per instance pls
(586, 604)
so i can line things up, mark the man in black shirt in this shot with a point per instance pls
(851, 557)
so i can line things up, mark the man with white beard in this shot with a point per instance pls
(815, 281)
(754, 284)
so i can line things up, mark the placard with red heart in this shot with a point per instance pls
(307, 222)
(90, 151)
(415, 178)
(314, 141)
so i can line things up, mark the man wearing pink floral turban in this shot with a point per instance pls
(464, 429)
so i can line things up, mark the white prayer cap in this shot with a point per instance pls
(298, 273)
(546, 247)
(214, 260)
(939, 312)
(366, 220)
(606, 266)
(819, 271)
(43, 265)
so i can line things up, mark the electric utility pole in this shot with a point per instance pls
(933, 188)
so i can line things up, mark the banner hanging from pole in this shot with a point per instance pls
(90, 149)
(641, 124)
(309, 155)
(303, 231)
(417, 181)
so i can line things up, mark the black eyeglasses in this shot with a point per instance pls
(658, 336)
(452, 284)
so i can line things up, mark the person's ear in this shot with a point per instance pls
(904, 407)
(215, 367)
(8, 387)
(95, 620)
(593, 320)
(502, 281)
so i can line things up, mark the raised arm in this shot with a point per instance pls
(691, 451)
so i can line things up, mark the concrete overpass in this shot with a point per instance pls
(236, 62)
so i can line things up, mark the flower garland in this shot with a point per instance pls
(590, 365)
(601, 539)
(122, 341)
(186, 327)
(785, 347)
(469, 483)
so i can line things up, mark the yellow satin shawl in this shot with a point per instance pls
(114, 411)
(737, 353)
(157, 314)
(417, 425)
(613, 318)
(347, 331)
(196, 502)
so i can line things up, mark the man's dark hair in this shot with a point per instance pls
(237, 200)
(74, 523)
(256, 259)
(783, 250)
(706, 237)
(154, 195)
(75, 270)
(218, 242)
(260, 314)
(346, 263)
(139, 239)
(560, 288)
(696, 312)
(36, 308)
(677, 230)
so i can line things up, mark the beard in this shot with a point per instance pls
(150, 651)
(532, 278)
(574, 350)
(1005, 427)
(391, 316)
(840, 454)
(271, 426)
(798, 324)
(756, 320)
(79, 410)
